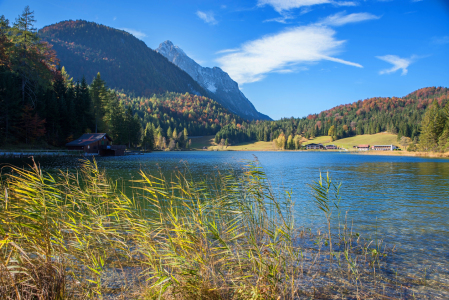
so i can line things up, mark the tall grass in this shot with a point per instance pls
(78, 235)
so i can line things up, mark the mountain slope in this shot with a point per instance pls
(225, 90)
(125, 62)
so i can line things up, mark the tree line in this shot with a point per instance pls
(402, 116)
(40, 104)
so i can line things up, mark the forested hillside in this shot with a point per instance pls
(40, 104)
(400, 116)
(125, 62)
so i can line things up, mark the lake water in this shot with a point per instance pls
(402, 200)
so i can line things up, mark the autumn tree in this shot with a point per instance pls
(280, 141)
(297, 142)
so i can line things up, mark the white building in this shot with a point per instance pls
(384, 147)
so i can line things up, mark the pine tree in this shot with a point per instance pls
(148, 137)
(83, 106)
(100, 100)
(443, 140)
(432, 127)
(33, 61)
(116, 120)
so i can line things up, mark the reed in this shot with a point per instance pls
(78, 235)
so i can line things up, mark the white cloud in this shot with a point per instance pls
(397, 62)
(282, 51)
(115, 18)
(340, 19)
(282, 5)
(136, 33)
(207, 17)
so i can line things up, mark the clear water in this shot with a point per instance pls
(402, 200)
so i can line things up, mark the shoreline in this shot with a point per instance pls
(404, 153)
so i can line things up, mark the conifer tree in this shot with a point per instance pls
(100, 98)
(432, 127)
(148, 137)
(33, 61)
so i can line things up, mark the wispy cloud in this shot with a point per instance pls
(227, 51)
(281, 52)
(114, 18)
(344, 3)
(441, 40)
(136, 33)
(397, 62)
(340, 19)
(283, 19)
(207, 17)
(283, 5)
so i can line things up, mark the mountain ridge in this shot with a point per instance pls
(125, 62)
(215, 80)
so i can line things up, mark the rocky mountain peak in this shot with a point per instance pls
(223, 89)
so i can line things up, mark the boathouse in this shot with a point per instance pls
(96, 144)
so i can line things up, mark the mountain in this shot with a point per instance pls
(125, 62)
(225, 90)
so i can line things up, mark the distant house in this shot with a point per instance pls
(331, 147)
(384, 147)
(96, 143)
(363, 147)
(313, 146)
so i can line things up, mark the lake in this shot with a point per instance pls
(402, 200)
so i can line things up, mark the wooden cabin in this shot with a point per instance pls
(96, 144)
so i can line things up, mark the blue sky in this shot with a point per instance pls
(290, 57)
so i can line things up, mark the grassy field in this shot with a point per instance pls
(255, 146)
(372, 139)
(348, 143)
(208, 141)
(203, 141)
